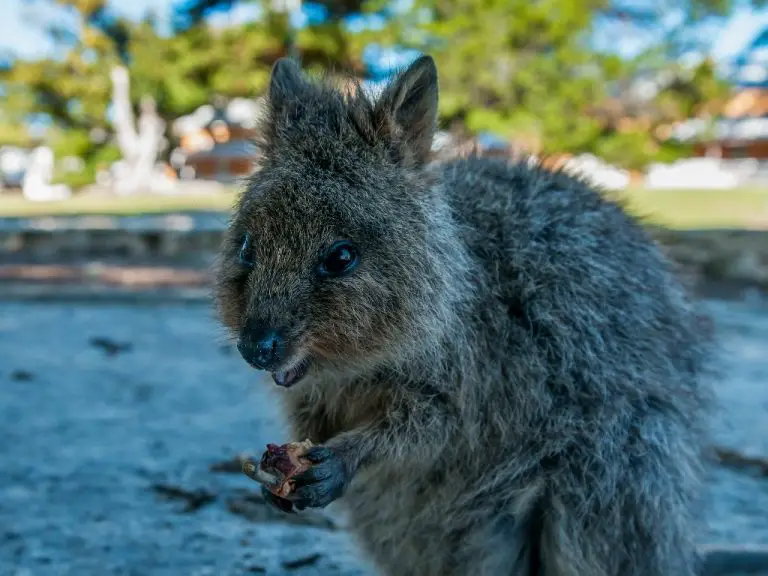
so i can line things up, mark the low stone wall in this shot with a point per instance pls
(194, 247)
(727, 257)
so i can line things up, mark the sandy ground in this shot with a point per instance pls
(111, 416)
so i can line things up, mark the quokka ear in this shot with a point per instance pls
(286, 82)
(411, 102)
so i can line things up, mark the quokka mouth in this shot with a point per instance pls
(289, 377)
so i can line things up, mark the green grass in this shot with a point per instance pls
(18, 207)
(692, 209)
(681, 209)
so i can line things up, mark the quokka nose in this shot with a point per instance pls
(262, 349)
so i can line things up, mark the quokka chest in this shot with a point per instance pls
(320, 417)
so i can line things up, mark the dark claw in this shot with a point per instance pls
(318, 454)
(323, 483)
(316, 473)
(279, 503)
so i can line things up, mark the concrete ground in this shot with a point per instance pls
(111, 416)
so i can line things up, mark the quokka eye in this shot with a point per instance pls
(245, 256)
(339, 260)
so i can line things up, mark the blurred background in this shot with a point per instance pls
(126, 129)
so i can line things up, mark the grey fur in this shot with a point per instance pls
(513, 378)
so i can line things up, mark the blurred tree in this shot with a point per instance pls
(536, 73)
(181, 71)
(192, 12)
(533, 71)
(13, 107)
(73, 89)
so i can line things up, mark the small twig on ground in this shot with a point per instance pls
(195, 499)
(301, 562)
(733, 459)
(109, 346)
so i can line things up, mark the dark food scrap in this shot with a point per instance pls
(110, 347)
(194, 499)
(22, 376)
(279, 465)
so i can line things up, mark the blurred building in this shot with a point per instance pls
(216, 141)
(741, 130)
(730, 149)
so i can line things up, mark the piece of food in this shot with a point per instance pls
(279, 465)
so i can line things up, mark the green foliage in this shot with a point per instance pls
(527, 71)
(14, 107)
(78, 143)
(73, 90)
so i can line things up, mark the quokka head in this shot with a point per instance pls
(329, 259)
